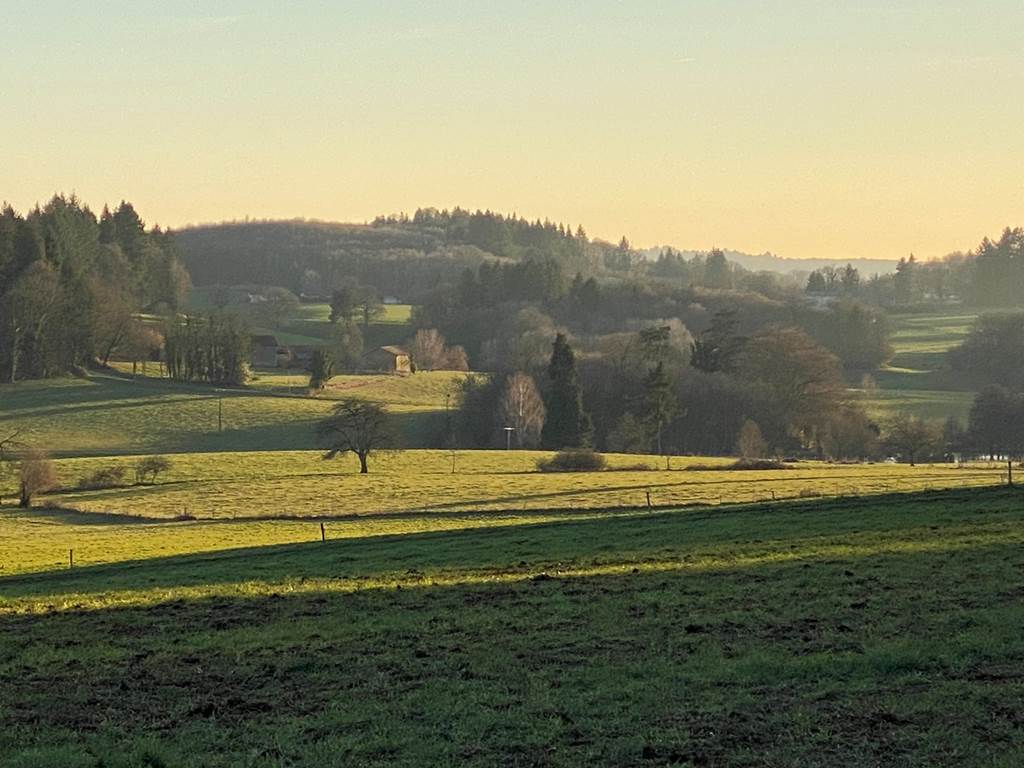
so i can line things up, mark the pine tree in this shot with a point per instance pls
(567, 425)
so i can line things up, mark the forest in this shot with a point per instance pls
(73, 287)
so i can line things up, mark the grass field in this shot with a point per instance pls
(918, 380)
(879, 631)
(114, 415)
(249, 499)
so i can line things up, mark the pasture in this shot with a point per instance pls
(213, 501)
(917, 380)
(872, 631)
(106, 414)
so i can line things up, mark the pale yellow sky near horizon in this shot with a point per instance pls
(809, 129)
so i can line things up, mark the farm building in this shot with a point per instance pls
(388, 360)
(267, 353)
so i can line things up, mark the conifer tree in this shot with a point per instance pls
(567, 425)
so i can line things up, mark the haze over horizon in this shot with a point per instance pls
(805, 129)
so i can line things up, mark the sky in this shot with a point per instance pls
(808, 129)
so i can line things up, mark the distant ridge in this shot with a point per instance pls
(769, 262)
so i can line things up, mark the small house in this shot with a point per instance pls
(388, 360)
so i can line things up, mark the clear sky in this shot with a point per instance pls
(810, 129)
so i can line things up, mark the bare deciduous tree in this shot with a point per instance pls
(751, 443)
(36, 474)
(523, 409)
(428, 350)
(357, 426)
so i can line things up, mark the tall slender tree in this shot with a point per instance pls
(567, 425)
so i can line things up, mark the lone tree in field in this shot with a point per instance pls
(522, 409)
(567, 425)
(912, 437)
(36, 475)
(359, 426)
(321, 369)
(147, 469)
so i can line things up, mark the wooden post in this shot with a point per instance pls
(323, 533)
(648, 499)
(71, 558)
(1009, 472)
(773, 495)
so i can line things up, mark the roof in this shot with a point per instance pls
(264, 340)
(394, 351)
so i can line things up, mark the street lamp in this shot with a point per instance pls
(508, 437)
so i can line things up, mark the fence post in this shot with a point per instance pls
(648, 499)
(71, 558)
(323, 533)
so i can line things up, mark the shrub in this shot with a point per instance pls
(739, 464)
(758, 464)
(573, 460)
(108, 477)
(150, 467)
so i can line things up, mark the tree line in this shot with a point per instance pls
(991, 275)
(72, 285)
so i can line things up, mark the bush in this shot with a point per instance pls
(150, 467)
(739, 464)
(108, 477)
(573, 460)
(758, 464)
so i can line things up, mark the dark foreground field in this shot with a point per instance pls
(887, 631)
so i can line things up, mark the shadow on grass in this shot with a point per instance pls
(727, 671)
(779, 529)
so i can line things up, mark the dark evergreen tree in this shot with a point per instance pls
(567, 425)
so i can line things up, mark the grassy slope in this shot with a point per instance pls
(918, 381)
(871, 632)
(110, 414)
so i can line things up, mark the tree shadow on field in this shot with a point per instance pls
(723, 535)
(705, 670)
(78, 517)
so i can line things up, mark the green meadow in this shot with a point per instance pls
(118, 414)
(871, 631)
(918, 380)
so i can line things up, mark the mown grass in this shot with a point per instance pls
(845, 633)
